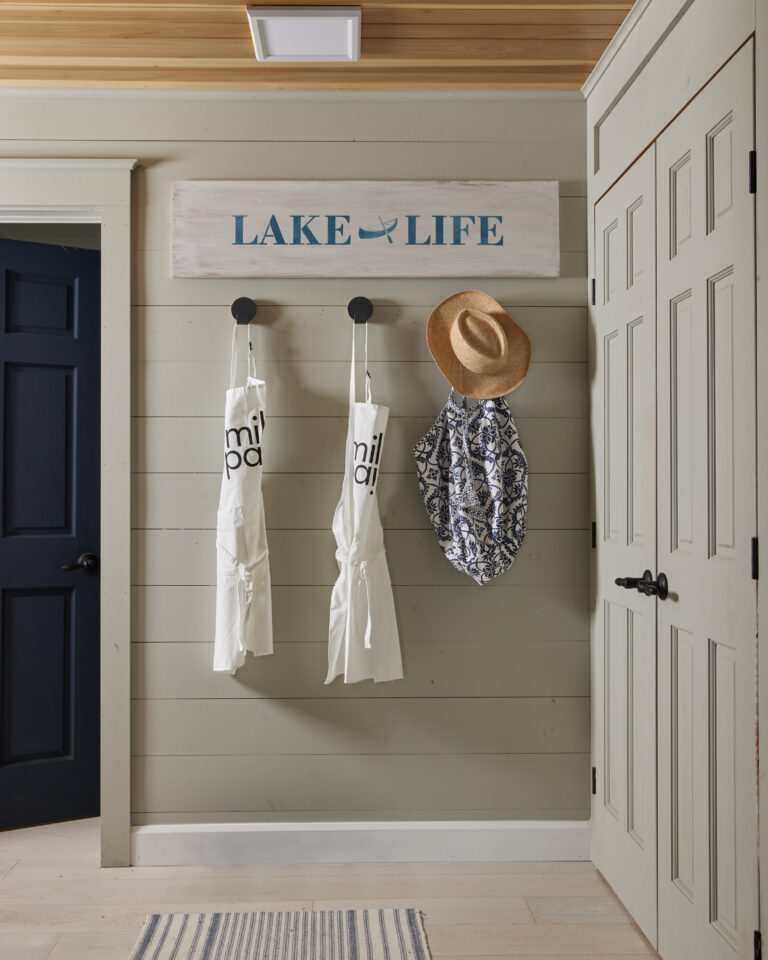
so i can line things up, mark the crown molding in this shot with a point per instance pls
(106, 93)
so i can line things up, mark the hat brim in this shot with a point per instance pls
(483, 386)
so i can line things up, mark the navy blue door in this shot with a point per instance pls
(49, 465)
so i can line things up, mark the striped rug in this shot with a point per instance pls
(284, 935)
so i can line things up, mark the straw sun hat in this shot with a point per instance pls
(479, 348)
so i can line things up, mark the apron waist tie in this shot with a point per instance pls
(244, 572)
(343, 559)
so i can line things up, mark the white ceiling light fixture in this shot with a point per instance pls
(284, 34)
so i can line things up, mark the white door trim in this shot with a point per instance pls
(761, 254)
(99, 191)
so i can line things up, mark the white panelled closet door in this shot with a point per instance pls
(624, 623)
(706, 518)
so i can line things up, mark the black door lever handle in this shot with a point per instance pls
(629, 583)
(88, 562)
(646, 584)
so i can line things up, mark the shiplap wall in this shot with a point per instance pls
(492, 718)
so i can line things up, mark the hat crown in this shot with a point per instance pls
(479, 341)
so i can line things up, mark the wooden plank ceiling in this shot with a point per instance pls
(406, 44)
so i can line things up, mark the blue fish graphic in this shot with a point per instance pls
(387, 226)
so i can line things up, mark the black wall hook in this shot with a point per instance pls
(360, 309)
(244, 310)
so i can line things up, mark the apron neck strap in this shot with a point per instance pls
(233, 361)
(352, 390)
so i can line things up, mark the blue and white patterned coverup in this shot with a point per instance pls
(473, 477)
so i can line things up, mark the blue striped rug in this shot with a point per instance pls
(284, 935)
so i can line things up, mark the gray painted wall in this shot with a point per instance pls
(492, 718)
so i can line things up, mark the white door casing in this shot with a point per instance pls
(45, 190)
(624, 622)
(706, 519)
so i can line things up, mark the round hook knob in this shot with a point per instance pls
(360, 309)
(244, 310)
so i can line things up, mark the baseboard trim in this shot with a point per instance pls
(226, 844)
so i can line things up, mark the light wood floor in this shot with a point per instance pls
(57, 904)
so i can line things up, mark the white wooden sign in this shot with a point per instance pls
(365, 228)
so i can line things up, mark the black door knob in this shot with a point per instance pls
(88, 562)
(646, 584)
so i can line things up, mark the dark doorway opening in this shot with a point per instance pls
(49, 522)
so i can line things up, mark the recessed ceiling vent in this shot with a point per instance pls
(311, 34)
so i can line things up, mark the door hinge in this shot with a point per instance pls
(755, 559)
(753, 171)
(758, 944)
(594, 781)
(594, 291)
(594, 534)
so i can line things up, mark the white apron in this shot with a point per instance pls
(363, 642)
(243, 589)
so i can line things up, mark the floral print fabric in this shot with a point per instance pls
(473, 478)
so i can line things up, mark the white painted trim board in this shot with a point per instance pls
(74, 163)
(227, 844)
(53, 190)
